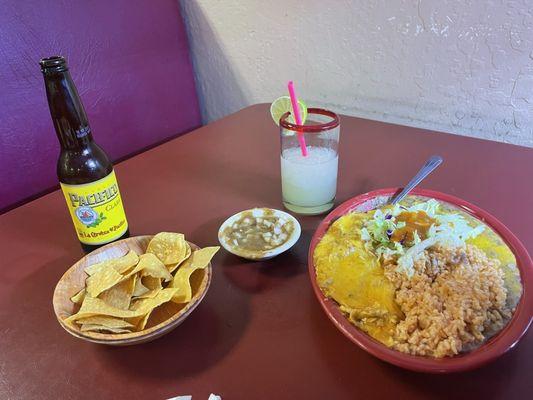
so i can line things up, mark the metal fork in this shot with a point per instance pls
(429, 166)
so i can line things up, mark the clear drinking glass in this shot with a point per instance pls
(309, 183)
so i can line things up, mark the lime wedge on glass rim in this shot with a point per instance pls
(283, 104)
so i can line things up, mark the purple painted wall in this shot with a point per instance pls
(130, 62)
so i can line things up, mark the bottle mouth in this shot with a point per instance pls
(53, 64)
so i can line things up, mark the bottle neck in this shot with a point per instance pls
(68, 115)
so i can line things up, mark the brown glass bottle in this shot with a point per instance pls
(85, 173)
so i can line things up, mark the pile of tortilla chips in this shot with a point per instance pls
(120, 294)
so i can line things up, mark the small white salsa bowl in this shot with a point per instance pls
(262, 255)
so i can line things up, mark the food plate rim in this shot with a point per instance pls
(496, 346)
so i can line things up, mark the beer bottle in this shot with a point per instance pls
(85, 173)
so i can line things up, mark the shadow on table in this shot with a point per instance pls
(261, 276)
(489, 382)
(361, 373)
(201, 341)
(255, 276)
(194, 346)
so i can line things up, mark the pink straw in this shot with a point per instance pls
(297, 117)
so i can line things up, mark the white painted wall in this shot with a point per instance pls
(457, 66)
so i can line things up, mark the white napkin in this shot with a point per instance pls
(188, 397)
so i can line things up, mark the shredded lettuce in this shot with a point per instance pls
(430, 207)
(450, 230)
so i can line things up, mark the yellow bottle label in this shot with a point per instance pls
(96, 210)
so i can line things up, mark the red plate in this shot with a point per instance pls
(492, 349)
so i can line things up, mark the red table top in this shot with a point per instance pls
(260, 332)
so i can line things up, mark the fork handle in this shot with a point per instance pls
(429, 166)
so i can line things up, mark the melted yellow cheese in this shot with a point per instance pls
(354, 278)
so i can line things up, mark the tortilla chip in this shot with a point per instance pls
(198, 260)
(150, 265)
(144, 321)
(152, 283)
(147, 305)
(99, 328)
(182, 285)
(78, 297)
(141, 322)
(121, 264)
(102, 280)
(119, 296)
(169, 247)
(104, 320)
(172, 267)
(149, 294)
(92, 306)
(139, 288)
(144, 306)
